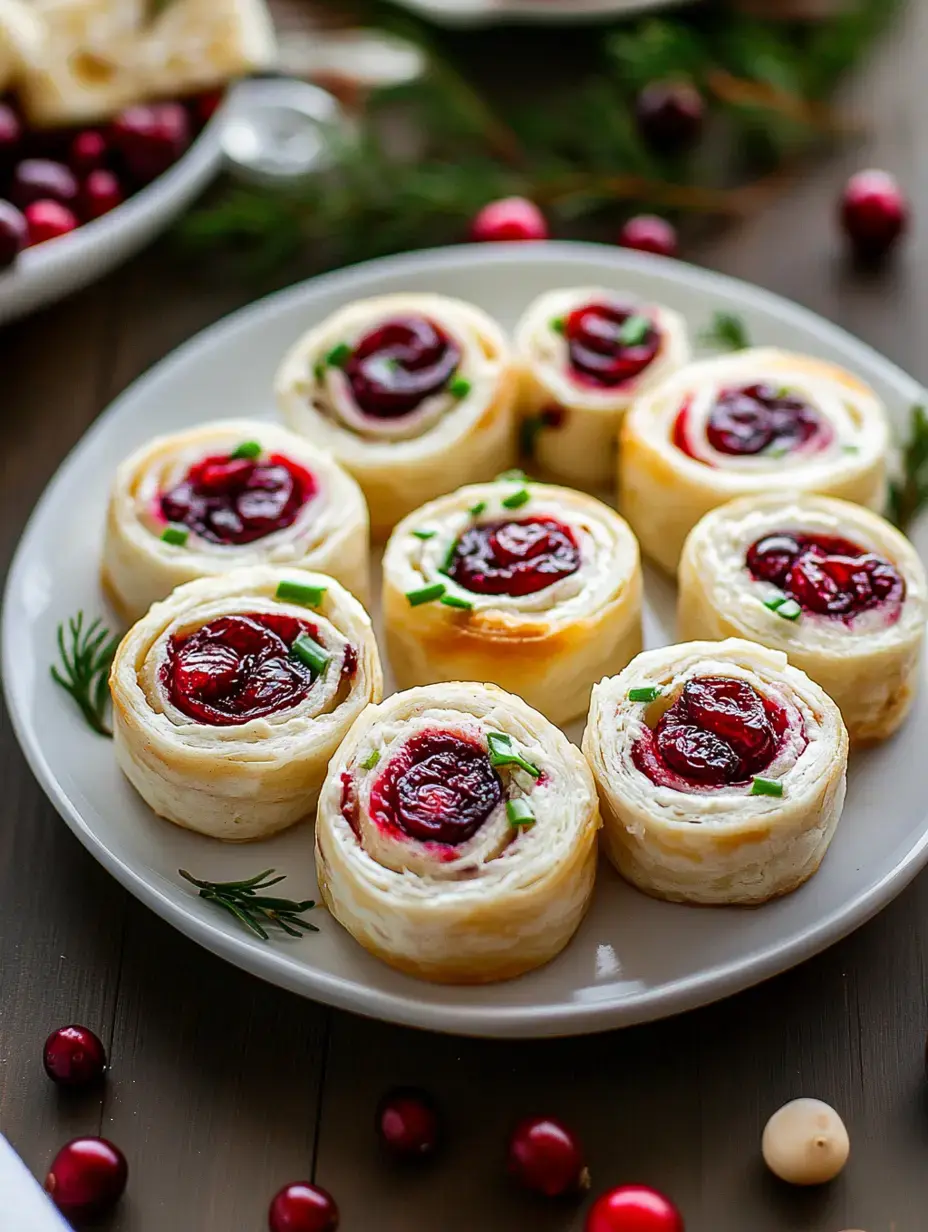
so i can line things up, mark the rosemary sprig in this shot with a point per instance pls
(727, 332)
(244, 901)
(908, 494)
(86, 658)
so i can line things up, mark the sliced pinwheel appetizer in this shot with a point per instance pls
(456, 834)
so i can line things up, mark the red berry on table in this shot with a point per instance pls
(303, 1208)
(41, 179)
(648, 233)
(670, 115)
(11, 132)
(47, 220)
(87, 1177)
(100, 193)
(510, 218)
(546, 1157)
(14, 233)
(633, 1208)
(151, 137)
(88, 152)
(74, 1056)
(874, 212)
(408, 1125)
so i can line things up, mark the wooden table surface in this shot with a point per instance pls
(223, 1088)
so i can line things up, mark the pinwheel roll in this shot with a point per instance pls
(533, 587)
(835, 587)
(413, 394)
(584, 354)
(228, 494)
(721, 772)
(761, 420)
(231, 696)
(456, 834)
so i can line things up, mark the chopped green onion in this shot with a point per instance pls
(425, 594)
(519, 813)
(514, 474)
(308, 651)
(456, 601)
(789, 610)
(634, 330)
(774, 602)
(477, 509)
(766, 787)
(503, 754)
(646, 694)
(300, 592)
(449, 557)
(784, 391)
(558, 324)
(371, 760)
(522, 497)
(339, 355)
(247, 449)
(778, 452)
(176, 535)
(319, 373)
(425, 534)
(460, 387)
(850, 449)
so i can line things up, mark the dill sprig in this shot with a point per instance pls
(726, 332)
(86, 657)
(245, 901)
(908, 494)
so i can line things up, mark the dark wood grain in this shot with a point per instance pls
(223, 1088)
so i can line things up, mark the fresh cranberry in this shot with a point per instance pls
(408, 1125)
(11, 135)
(232, 500)
(87, 1177)
(74, 1057)
(634, 1208)
(511, 218)
(41, 179)
(546, 1157)
(151, 137)
(14, 233)
(88, 152)
(826, 574)
(874, 212)
(303, 1207)
(748, 420)
(670, 115)
(100, 193)
(648, 233)
(597, 348)
(514, 557)
(399, 364)
(238, 668)
(439, 788)
(206, 105)
(48, 220)
(719, 731)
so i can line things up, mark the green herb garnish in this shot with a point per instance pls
(647, 693)
(300, 592)
(319, 373)
(177, 536)
(789, 609)
(476, 510)
(503, 754)
(558, 324)
(634, 330)
(908, 494)
(465, 605)
(425, 594)
(85, 668)
(308, 651)
(528, 433)
(247, 449)
(519, 813)
(766, 787)
(371, 760)
(727, 332)
(850, 449)
(425, 534)
(516, 499)
(448, 561)
(460, 387)
(515, 474)
(339, 355)
(251, 908)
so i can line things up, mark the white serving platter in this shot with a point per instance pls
(558, 12)
(634, 959)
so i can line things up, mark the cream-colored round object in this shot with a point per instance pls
(503, 901)
(234, 780)
(463, 433)
(868, 663)
(805, 1143)
(664, 489)
(680, 841)
(21, 37)
(550, 646)
(329, 533)
(575, 423)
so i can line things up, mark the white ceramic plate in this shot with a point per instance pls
(489, 12)
(634, 958)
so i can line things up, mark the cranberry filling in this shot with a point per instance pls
(238, 500)
(439, 788)
(514, 558)
(825, 574)
(398, 365)
(718, 732)
(597, 351)
(753, 418)
(238, 668)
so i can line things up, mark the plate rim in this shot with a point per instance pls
(274, 965)
(511, 11)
